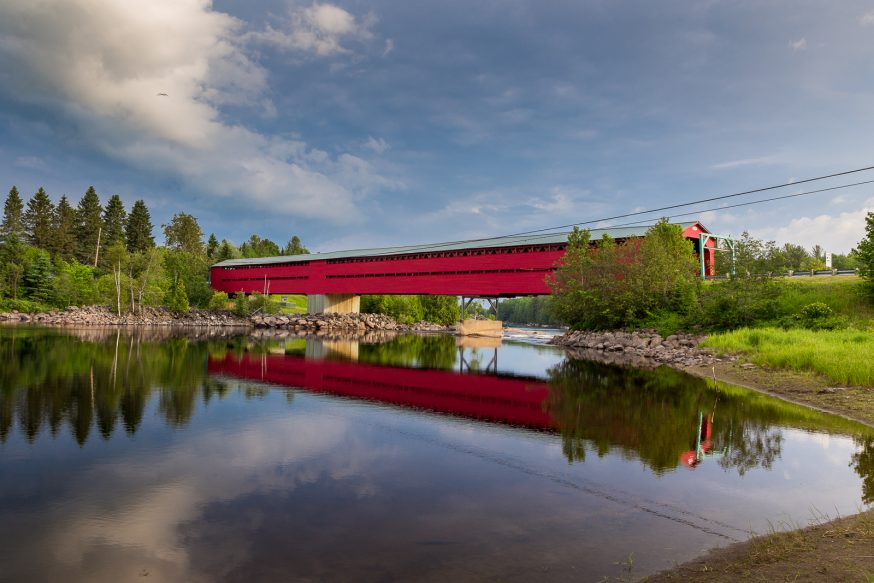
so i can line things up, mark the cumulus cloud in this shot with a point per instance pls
(837, 233)
(867, 19)
(100, 65)
(319, 29)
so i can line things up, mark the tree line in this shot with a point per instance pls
(757, 257)
(57, 255)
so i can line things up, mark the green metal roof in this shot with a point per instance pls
(512, 241)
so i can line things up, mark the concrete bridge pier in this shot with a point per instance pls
(344, 350)
(333, 304)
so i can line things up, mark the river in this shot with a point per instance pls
(152, 456)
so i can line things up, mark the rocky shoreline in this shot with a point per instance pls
(341, 323)
(103, 316)
(639, 348)
(334, 324)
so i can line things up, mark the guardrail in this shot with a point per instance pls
(811, 273)
(823, 272)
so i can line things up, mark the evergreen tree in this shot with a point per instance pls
(139, 229)
(12, 225)
(39, 279)
(184, 234)
(114, 218)
(89, 226)
(64, 230)
(295, 247)
(38, 220)
(212, 245)
(226, 250)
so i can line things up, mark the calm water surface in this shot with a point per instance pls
(138, 457)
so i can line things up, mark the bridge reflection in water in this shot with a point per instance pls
(474, 390)
(664, 418)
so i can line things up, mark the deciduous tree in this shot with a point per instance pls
(184, 234)
(609, 285)
(865, 252)
(664, 272)
(440, 309)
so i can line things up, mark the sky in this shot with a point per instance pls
(361, 124)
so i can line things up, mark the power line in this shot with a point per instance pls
(433, 246)
(764, 200)
(711, 199)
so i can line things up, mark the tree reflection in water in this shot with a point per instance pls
(654, 415)
(103, 380)
(91, 379)
(863, 463)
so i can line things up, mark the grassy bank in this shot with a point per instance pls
(826, 551)
(842, 356)
(846, 295)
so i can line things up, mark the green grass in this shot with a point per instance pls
(296, 304)
(846, 295)
(842, 356)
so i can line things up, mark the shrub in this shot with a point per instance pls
(264, 304)
(664, 322)
(816, 311)
(23, 306)
(218, 301)
(739, 302)
(816, 316)
(241, 305)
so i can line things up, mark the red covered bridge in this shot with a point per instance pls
(496, 267)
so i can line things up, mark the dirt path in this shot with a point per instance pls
(840, 550)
